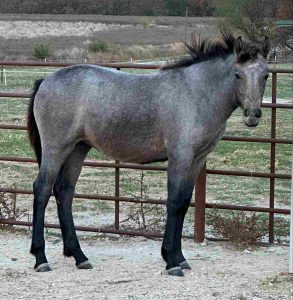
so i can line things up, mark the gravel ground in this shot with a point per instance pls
(131, 268)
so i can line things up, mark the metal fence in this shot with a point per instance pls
(199, 204)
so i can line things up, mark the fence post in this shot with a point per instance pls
(291, 226)
(199, 206)
(273, 158)
(117, 193)
(2, 74)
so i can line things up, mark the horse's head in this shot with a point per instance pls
(251, 73)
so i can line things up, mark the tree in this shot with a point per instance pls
(175, 7)
(200, 7)
(245, 17)
(284, 37)
(285, 11)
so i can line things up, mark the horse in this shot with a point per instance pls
(177, 114)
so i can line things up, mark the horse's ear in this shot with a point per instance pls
(238, 45)
(266, 47)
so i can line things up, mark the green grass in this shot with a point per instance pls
(24, 77)
(13, 110)
(14, 143)
(251, 157)
(284, 86)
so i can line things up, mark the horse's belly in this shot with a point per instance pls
(130, 148)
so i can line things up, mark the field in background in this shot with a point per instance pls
(70, 35)
(227, 156)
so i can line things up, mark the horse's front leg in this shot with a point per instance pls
(182, 173)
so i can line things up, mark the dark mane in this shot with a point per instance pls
(204, 49)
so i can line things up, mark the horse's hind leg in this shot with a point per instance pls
(63, 190)
(49, 168)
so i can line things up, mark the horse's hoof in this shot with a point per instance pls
(185, 265)
(176, 271)
(85, 265)
(43, 268)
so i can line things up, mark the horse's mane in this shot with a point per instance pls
(204, 49)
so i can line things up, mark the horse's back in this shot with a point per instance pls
(108, 109)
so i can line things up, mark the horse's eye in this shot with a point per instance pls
(237, 75)
(267, 76)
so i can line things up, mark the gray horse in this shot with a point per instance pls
(177, 114)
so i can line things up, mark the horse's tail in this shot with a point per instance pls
(32, 128)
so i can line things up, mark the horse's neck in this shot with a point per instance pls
(216, 78)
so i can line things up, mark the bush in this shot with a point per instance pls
(145, 21)
(175, 7)
(143, 217)
(240, 228)
(99, 46)
(8, 208)
(42, 51)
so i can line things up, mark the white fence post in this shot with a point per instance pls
(2, 74)
(5, 76)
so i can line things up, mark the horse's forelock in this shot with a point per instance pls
(249, 52)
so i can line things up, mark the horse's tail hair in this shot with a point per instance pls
(32, 128)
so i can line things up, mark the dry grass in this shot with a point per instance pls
(177, 48)
(70, 54)
(65, 32)
(111, 19)
(9, 210)
(240, 228)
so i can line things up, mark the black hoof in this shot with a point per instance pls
(177, 271)
(85, 265)
(43, 268)
(185, 265)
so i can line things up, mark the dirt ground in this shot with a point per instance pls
(131, 268)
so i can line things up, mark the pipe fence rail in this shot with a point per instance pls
(199, 203)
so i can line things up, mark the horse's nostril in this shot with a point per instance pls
(258, 113)
(246, 113)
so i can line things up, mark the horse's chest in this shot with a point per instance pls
(207, 140)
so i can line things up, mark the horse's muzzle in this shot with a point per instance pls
(252, 116)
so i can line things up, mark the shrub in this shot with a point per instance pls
(8, 209)
(143, 216)
(145, 21)
(42, 51)
(240, 228)
(99, 46)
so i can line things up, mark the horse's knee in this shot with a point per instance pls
(180, 198)
(179, 206)
(37, 185)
